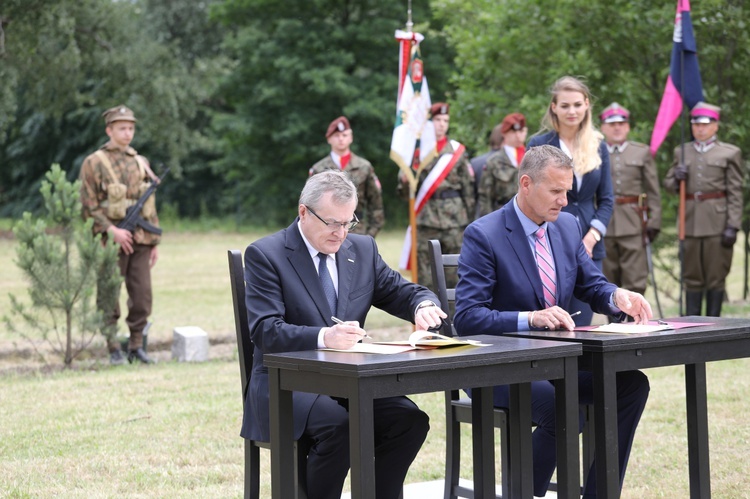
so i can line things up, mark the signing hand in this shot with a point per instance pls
(633, 304)
(551, 318)
(343, 336)
(429, 317)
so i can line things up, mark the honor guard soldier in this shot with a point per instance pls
(113, 179)
(636, 219)
(370, 206)
(713, 174)
(478, 163)
(499, 182)
(445, 196)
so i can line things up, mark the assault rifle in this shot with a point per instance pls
(133, 216)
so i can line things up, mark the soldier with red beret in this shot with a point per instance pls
(499, 181)
(445, 200)
(370, 205)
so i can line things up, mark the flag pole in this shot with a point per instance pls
(681, 212)
(412, 185)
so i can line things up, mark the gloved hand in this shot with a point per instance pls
(651, 234)
(680, 173)
(729, 237)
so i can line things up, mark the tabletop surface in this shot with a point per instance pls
(720, 329)
(499, 350)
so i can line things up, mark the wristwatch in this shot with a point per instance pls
(595, 233)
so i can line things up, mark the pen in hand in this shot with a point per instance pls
(339, 321)
(575, 313)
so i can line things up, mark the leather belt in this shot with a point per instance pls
(447, 194)
(627, 199)
(700, 196)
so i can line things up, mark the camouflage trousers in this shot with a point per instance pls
(450, 243)
(136, 272)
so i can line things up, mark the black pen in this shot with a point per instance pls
(339, 321)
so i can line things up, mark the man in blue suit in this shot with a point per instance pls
(296, 280)
(500, 289)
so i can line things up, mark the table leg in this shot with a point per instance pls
(566, 407)
(282, 438)
(519, 430)
(605, 422)
(697, 429)
(362, 446)
(483, 442)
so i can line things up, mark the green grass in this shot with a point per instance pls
(171, 430)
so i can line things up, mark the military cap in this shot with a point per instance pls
(439, 108)
(118, 113)
(514, 121)
(615, 113)
(340, 124)
(704, 113)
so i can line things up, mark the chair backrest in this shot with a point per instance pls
(244, 345)
(447, 296)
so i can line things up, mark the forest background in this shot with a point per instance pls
(235, 95)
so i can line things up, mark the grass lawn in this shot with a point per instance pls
(171, 430)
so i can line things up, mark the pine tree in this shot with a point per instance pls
(62, 260)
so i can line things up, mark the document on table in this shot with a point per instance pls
(418, 340)
(631, 328)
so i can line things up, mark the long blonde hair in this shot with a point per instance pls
(587, 140)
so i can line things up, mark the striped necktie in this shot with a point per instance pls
(327, 282)
(546, 268)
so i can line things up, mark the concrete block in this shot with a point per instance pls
(189, 344)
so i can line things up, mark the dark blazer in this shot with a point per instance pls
(595, 199)
(286, 307)
(498, 276)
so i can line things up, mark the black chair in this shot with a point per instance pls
(245, 348)
(458, 408)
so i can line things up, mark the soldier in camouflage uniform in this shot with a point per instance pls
(450, 206)
(713, 175)
(370, 206)
(112, 179)
(499, 181)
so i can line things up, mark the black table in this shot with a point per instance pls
(364, 377)
(605, 354)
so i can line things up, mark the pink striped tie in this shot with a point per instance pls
(546, 268)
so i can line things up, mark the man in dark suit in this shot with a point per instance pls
(296, 280)
(500, 289)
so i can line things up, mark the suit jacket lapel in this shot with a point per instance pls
(520, 244)
(299, 258)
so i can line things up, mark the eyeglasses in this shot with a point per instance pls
(335, 225)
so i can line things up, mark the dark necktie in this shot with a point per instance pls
(327, 282)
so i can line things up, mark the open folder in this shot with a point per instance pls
(418, 340)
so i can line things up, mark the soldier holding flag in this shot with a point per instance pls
(712, 172)
(444, 202)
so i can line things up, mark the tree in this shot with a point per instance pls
(62, 259)
(299, 65)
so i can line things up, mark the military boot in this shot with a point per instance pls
(714, 299)
(693, 302)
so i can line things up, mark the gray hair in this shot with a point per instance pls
(537, 159)
(337, 183)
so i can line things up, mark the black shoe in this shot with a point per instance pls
(139, 355)
(116, 358)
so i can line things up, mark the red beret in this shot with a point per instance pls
(439, 108)
(340, 124)
(514, 121)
